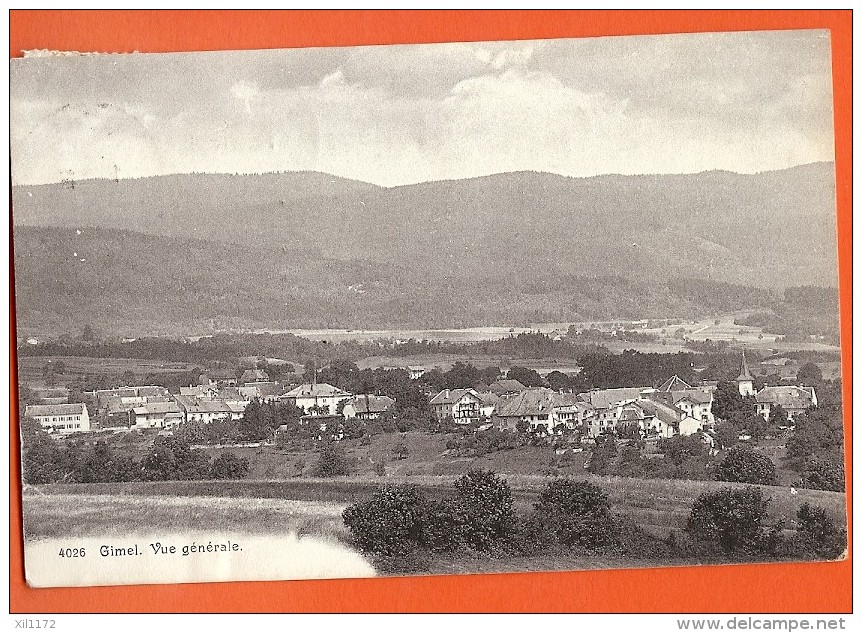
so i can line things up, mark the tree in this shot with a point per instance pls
(527, 377)
(391, 522)
(823, 474)
(485, 503)
(809, 374)
(728, 404)
(678, 449)
(229, 466)
(817, 535)
(746, 466)
(171, 458)
(102, 464)
(778, 417)
(558, 381)
(461, 376)
(819, 432)
(734, 520)
(576, 513)
(258, 421)
(42, 461)
(331, 463)
(726, 435)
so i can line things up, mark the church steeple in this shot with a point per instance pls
(745, 381)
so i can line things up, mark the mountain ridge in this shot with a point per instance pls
(488, 234)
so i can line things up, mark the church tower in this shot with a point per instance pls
(745, 381)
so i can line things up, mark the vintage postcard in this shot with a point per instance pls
(427, 309)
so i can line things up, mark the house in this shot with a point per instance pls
(649, 416)
(745, 381)
(223, 377)
(531, 406)
(674, 383)
(322, 397)
(151, 391)
(794, 400)
(156, 415)
(60, 418)
(572, 413)
(489, 403)
(461, 406)
(505, 386)
(265, 390)
(237, 409)
(103, 395)
(199, 391)
(696, 403)
(203, 409)
(605, 398)
(366, 407)
(666, 420)
(254, 375)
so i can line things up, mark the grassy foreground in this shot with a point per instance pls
(315, 505)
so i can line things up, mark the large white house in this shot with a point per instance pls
(461, 406)
(794, 400)
(320, 397)
(60, 418)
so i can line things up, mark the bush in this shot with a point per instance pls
(575, 513)
(229, 466)
(817, 536)
(484, 500)
(101, 465)
(678, 449)
(332, 463)
(823, 474)
(734, 520)
(390, 523)
(171, 458)
(380, 469)
(42, 460)
(446, 527)
(746, 466)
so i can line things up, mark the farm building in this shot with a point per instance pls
(61, 418)
(794, 400)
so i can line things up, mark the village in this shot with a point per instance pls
(673, 408)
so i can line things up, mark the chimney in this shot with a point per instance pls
(447, 394)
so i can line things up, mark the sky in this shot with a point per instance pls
(393, 115)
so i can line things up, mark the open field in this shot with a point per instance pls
(102, 512)
(30, 367)
(314, 506)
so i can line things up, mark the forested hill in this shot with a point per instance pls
(773, 229)
(136, 284)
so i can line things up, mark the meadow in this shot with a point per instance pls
(313, 506)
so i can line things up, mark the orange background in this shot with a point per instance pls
(810, 587)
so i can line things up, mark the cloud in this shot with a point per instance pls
(394, 115)
(245, 92)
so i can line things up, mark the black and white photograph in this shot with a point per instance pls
(427, 309)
